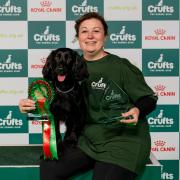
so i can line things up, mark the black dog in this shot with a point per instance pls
(67, 71)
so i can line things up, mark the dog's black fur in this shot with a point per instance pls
(67, 71)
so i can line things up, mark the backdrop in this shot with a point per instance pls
(145, 32)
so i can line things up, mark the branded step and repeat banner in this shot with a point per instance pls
(146, 32)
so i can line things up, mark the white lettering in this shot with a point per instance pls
(49, 37)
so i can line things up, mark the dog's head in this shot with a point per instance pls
(63, 63)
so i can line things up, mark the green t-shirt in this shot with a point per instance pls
(113, 86)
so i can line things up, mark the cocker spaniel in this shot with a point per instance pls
(67, 71)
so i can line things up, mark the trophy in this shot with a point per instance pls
(114, 102)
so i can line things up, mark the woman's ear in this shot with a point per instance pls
(105, 39)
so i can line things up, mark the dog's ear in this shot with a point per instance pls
(79, 68)
(47, 69)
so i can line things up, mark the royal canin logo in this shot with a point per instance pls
(160, 34)
(160, 31)
(160, 91)
(159, 143)
(46, 3)
(162, 146)
(39, 66)
(160, 87)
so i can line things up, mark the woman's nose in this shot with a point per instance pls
(90, 34)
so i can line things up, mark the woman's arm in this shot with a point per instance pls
(146, 105)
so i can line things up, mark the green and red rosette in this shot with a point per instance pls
(42, 92)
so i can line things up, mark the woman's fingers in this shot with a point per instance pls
(26, 105)
(131, 117)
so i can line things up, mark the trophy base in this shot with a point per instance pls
(37, 117)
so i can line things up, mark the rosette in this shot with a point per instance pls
(42, 92)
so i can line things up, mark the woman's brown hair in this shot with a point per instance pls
(91, 15)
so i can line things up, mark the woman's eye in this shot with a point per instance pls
(83, 31)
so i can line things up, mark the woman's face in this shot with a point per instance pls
(91, 37)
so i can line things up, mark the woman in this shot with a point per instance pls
(115, 141)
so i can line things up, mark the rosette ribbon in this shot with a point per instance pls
(42, 93)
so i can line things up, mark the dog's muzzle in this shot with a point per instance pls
(60, 71)
(61, 74)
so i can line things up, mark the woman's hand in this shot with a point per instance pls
(133, 113)
(26, 105)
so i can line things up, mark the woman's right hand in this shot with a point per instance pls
(26, 105)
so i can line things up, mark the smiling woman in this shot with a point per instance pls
(116, 139)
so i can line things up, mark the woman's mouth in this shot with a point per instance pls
(90, 42)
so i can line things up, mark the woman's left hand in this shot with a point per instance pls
(133, 113)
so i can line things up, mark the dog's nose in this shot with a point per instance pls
(60, 70)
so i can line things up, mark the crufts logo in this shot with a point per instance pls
(166, 175)
(113, 96)
(99, 84)
(83, 8)
(160, 120)
(160, 65)
(9, 66)
(46, 37)
(160, 9)
(8, 9)
(10, 122)
(122, 37)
